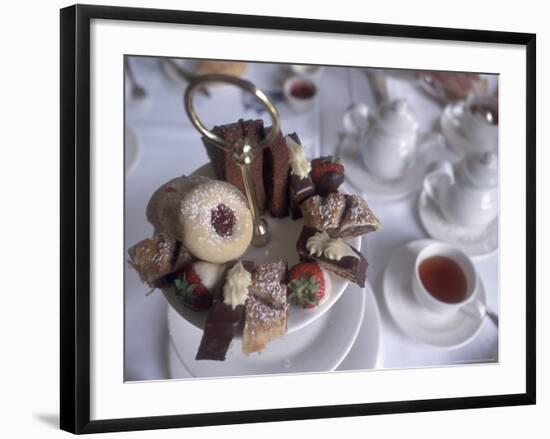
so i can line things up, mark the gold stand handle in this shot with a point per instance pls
(242, 152)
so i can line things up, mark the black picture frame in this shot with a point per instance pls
(75, 217)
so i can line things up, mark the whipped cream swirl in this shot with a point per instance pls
(300, 165)
(321, 244)
(235, 290)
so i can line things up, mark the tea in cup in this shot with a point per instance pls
(444, 279)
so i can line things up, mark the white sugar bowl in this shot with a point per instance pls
(389, 143)
(467, 195)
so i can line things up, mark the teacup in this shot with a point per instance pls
(479, 121)
(467, 193)
(300, 93)
(444, 279)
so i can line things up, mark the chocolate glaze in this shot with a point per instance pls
(222, 324)
(348, 267)
(329, 183)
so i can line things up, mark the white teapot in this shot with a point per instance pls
(389, 141)
(470, 196)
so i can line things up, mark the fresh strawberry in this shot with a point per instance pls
(191, 290)
(306, 283)
(327, 175)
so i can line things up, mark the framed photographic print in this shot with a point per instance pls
(275, 218)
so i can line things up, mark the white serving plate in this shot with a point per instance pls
(320, 347)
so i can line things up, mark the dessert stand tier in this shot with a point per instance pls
(320, 347)
(284, 234)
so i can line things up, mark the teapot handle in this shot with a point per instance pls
(433, 179)
(356, 120)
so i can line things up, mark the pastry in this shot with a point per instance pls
(327, 175)
(165, 204)
(267, 284)
(309, 285)
(198, 284)
(358, 219)
(266, 308)
(301, 185)
(216, 222)
(158, 257)
(333, 254)
(276, 171)
(340, 215)
(324, 213)
(224, 164)
(225, 318)
(232, 68)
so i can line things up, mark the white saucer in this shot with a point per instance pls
(476, 242)
(131, 149)
(450, 127)
(364, 352)
(358, 176)
(415, 321)
(320, 347)
(277, 249)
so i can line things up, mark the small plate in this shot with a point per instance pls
(284, 235)
(320, 347)
(445, 331)
(360, 178)
(450, 127)
(476, 242)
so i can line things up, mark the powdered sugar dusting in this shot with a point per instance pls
(359, 213)
(267, 279)
(257, 313)
(325, 213)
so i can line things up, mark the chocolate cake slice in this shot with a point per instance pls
(276, 172)
(223, 162)
(353, 268)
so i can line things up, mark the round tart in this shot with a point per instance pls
(216, 222)
(165, 204)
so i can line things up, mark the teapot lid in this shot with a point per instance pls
(482, 169)
(397, 116)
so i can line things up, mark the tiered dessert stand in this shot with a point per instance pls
(317, 339)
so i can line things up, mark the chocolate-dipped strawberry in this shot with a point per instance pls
(198, 284)
(327, 175)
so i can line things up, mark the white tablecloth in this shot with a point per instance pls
(169, 146)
